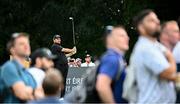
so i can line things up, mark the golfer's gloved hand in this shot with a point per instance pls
(74, 50)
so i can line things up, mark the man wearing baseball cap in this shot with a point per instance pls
(41, 61)
(88, 62)
(61, 62)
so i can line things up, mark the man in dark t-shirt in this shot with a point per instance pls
(61, 62)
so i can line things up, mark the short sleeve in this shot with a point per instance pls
(56, 48)
(60, 48)
(10, 75)
(109, 66)
(157, 63)
(38, 75)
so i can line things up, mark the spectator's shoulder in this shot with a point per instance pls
(8, 65)
(83, 65)
(109, 58)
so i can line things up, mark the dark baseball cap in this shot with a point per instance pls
(43, 52)
(56, 36)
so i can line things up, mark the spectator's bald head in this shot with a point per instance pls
(53, 82)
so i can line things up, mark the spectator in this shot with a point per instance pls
(52, 84)
(41, 62)
(154, 65)
(18, 83)
(108, 85)
(170, 37)
(88, 62)
(72, 62)
(61, 62)
(78, 62)
(170, 34)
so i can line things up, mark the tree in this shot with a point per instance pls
(44, 18)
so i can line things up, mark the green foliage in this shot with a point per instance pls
(44, 18)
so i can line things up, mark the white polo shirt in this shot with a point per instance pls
(38, 75)
(87, 65)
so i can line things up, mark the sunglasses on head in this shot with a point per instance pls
(16, 35)
(108, 29)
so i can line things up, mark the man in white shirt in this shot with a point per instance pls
(88, 62)
(170, 38)
(153, 64)
(41, 62)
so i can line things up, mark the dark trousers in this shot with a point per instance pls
(63, 68)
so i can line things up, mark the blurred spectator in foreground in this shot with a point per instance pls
(52, 85)
(153, 64)
(88, 62)
(170, 34)
(111, 72)
(170, 37)
(61, 63)
(42, 60)
(18, 83)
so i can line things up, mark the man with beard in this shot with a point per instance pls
(61, 62)
(41, 61)
(154, 65)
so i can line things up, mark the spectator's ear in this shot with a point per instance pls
(61, 87)
(11, 50)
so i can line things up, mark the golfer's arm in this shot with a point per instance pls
(104, 90)
(67, 50)
(69, 54)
